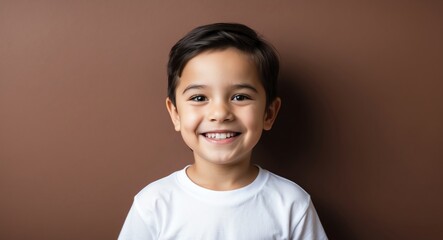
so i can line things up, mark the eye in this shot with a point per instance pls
(240, 97)
(198, 98)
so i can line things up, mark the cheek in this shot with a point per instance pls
(190, 118)
(252, 119)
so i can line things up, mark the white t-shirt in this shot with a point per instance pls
(174, 207)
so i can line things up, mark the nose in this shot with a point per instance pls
(220, 111)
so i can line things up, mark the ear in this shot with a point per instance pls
(173, 113)
(271, 114)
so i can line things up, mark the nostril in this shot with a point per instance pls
(221, 112)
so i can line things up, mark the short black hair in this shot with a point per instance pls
(219, 36)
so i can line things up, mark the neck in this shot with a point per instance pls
(222, 177)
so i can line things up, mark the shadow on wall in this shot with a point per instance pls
(297, 147)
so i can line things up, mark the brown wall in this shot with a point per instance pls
(83, 125)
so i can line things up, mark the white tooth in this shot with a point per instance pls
(220, 135)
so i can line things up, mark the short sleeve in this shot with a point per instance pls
(138, 225)
(309, 227)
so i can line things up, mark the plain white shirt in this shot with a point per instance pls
(174, 207)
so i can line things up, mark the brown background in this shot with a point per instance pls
(83, 125)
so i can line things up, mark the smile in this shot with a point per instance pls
(220, 136)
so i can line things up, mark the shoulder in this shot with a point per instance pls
(279, 183)
(157, 193)
(293, 204)
(286, 192)
(142, 220)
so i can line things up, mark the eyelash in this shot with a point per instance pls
(198, 98)
(242, 96)
(201, 98)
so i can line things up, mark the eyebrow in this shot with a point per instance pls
(245, 85)
(236, 86)
(193, 86)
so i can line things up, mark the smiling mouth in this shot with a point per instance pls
(221, 136)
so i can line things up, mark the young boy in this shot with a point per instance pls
(221, 96)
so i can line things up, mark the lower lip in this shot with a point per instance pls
(221, 141)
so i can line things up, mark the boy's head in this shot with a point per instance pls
(222, 81)
(220, 36)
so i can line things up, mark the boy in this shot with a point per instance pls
(221, 95)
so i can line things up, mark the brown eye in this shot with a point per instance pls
(240, 97)
(198, 98)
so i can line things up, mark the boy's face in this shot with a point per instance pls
(221, 107)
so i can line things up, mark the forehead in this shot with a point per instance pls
(220, 66)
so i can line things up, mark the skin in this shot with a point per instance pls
(219, 92)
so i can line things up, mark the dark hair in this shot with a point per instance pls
(220, 36)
